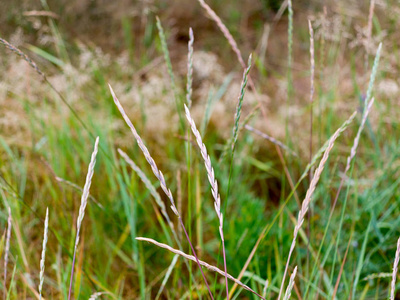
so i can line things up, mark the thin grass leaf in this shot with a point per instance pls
(167, 275)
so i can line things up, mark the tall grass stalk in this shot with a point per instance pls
(43, 258)
(208, 266)
(167, 58)
(214, 187)
(82, 207)
(306, 202)
(350, 158)
(394, 274)
(267, 228)
(367, 107)
(159, 175)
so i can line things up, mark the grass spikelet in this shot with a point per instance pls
(353, 150)
(190, 69)
(7, 249)
(165, 51)
(43, 258)
(394, 274)
(146, 153)
(289, 289)
(213, 183)
(310, 192)
(159, 175)
(239, 105)
(23, 55)
(325, 146)
(373, 74)
(84, 198)
(350, 158)
(167, 59)
(208, 266)
(230, 145)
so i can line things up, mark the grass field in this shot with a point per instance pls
(197, 150)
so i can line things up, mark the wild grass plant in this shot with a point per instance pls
(247, 240)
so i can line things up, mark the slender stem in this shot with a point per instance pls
(194, 254)
(72, 277)
(225, 269)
